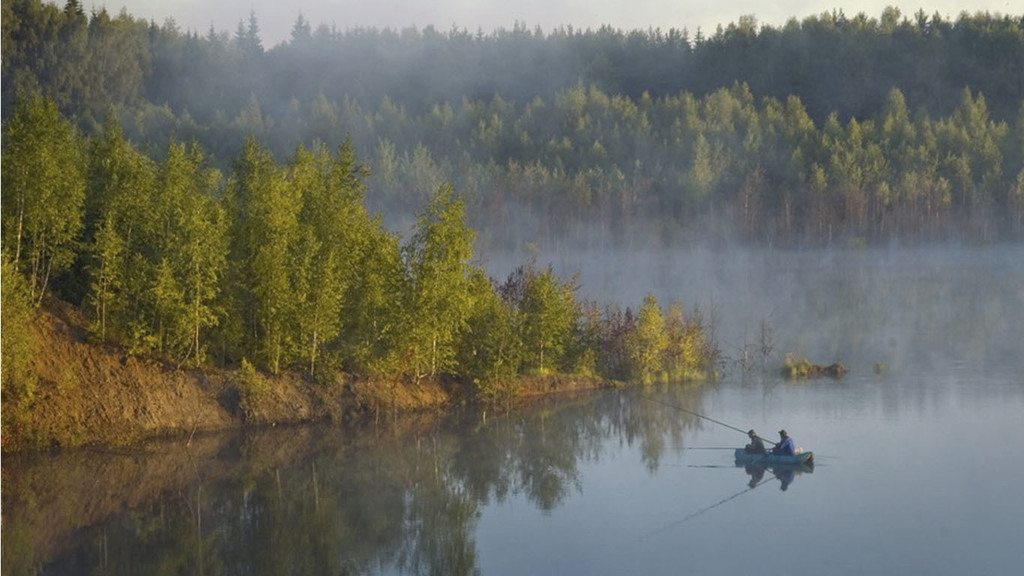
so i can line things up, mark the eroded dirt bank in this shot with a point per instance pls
(92, 395)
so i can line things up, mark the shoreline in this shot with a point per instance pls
(94, 395)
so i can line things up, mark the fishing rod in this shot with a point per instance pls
(691, 412)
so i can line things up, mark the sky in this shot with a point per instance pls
(277, 17)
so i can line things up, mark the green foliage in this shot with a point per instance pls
(647, 344)
(287, 267)
(192, 252)
(489, 352)
(43, 191)
(438, 258)
(688, 354)
(373, 332)
(19, 382)
(251, 385)
(333, 235)
(109, 252)
(802, 368)
(822, 135)
(281, 263)
(263, 210)
(783, 179)
(546, 314)
(156, 247)
(118, 212)
(586, 340)
(794, 367)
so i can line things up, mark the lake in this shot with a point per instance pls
(917, 469)
(912, 475)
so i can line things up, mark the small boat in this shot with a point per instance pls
(769, 459)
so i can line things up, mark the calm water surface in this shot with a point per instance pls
(914, 475)
(919, 470)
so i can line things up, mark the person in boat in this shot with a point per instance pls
(756, 445)
(785, 447)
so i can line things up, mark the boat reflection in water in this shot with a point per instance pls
(783, 468)
(785, 472)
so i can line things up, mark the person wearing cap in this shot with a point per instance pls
(785, 447)
(756, 445)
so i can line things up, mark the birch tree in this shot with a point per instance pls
(43, 191)
(546, 317)
(333, 234)
(121, 182)
(263, 210)
(438, 261)
(647, 342)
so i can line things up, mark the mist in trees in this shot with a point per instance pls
(202, 197)
(276, 265)
(831, 129)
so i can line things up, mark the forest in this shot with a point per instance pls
(831, 130)
(278, 266)
(210, 201)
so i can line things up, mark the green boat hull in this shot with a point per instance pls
(770, 459)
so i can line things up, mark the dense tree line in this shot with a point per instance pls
(829, 129)
(279, 265)
(832, 61)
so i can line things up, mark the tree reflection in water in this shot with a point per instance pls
(316, 499)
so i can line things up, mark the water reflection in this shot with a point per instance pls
(612, 483)
(784, 473)
(759, 474)
(317, 499)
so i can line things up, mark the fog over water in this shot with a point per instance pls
(917, 468)
(913, 309)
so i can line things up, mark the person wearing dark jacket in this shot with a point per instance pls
(785, 447)
(756, 445)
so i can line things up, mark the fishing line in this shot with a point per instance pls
(693, 515)
(691, 412)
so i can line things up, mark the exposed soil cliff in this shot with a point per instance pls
(98, 395)
(89, 394)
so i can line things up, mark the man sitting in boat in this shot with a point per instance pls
(756, 445)
(785, 447)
